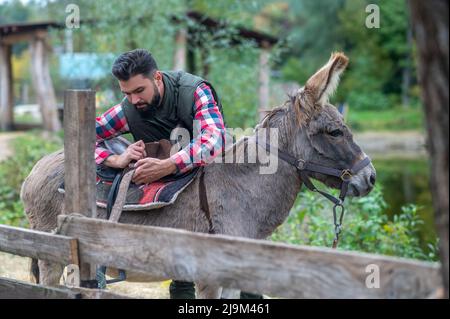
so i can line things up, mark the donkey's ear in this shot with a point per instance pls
(323, 84)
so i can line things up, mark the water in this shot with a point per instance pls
(406, 181)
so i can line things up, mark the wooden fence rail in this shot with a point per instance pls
(15, 289)
(258, 266)
(37, 244)
(252, 265)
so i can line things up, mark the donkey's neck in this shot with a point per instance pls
(267, 198)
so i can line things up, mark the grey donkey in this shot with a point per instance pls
(242, 201)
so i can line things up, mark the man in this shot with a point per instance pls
(155, 103)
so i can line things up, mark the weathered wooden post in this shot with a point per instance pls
(6, 88)
(79, 163)
(179, 57)
(43, 86)
(264, 79)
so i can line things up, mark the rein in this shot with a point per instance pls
(304, 167)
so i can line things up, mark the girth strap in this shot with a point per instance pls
(204, 200)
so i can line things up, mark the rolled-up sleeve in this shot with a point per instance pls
(108, 125)
(205, 147)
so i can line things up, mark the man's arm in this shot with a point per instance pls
(108, 125)
(204, 148)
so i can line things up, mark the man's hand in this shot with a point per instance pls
(134, 152)
(152, 169)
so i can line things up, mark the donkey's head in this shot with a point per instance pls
(320, 134)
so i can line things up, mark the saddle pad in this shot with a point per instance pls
(149, 196)
(145, 197)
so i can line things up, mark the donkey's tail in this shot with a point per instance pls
(34, 271)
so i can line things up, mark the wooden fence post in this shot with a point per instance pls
(79, 163)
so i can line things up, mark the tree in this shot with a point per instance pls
(430, 24)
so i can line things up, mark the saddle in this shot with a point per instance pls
(121, 179)
(116, 185)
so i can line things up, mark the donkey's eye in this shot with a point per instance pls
(336, 133)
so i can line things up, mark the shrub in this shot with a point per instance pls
(28, 149)
(366, 227)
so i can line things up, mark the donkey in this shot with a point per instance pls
(242, 202)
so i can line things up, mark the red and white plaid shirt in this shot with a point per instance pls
(200, 151)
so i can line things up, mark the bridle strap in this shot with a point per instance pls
(308, 183)
(304, 167)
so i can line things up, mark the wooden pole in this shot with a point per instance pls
(179, 58)
(6, 88)
(264, 78)
(43, 84)
(79, 162)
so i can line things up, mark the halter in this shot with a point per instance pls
(304, 167)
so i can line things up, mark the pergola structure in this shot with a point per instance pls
(186, 45)
(184, 59)
(37, 36)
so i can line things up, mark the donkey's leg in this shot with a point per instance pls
(207, 291)
(50, 273)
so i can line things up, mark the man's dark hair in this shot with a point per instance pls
(129, 64)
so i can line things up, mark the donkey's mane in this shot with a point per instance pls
(278, 117)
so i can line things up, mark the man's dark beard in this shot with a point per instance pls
(147, 109)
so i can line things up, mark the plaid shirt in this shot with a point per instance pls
(200, 151)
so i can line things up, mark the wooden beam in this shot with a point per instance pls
(79, 145)
(98, 294)
(37, 244)
(179, 57)
(264, 79)
(15, 289)
(43, 85)
(23, 37)
(278, 270)
(79, 163)
(6, 89)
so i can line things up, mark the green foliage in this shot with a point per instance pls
(395, 119)
(13, 171)
(379, 57)
(309, 32)
(365, 227)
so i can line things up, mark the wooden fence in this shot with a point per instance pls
(274, 269)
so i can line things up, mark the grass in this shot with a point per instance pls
(396, 119)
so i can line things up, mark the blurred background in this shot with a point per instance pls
(255, 53)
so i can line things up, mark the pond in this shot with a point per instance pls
(406, 181)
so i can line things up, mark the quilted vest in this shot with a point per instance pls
(176, 108)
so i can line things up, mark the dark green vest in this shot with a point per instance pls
(176, 108)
